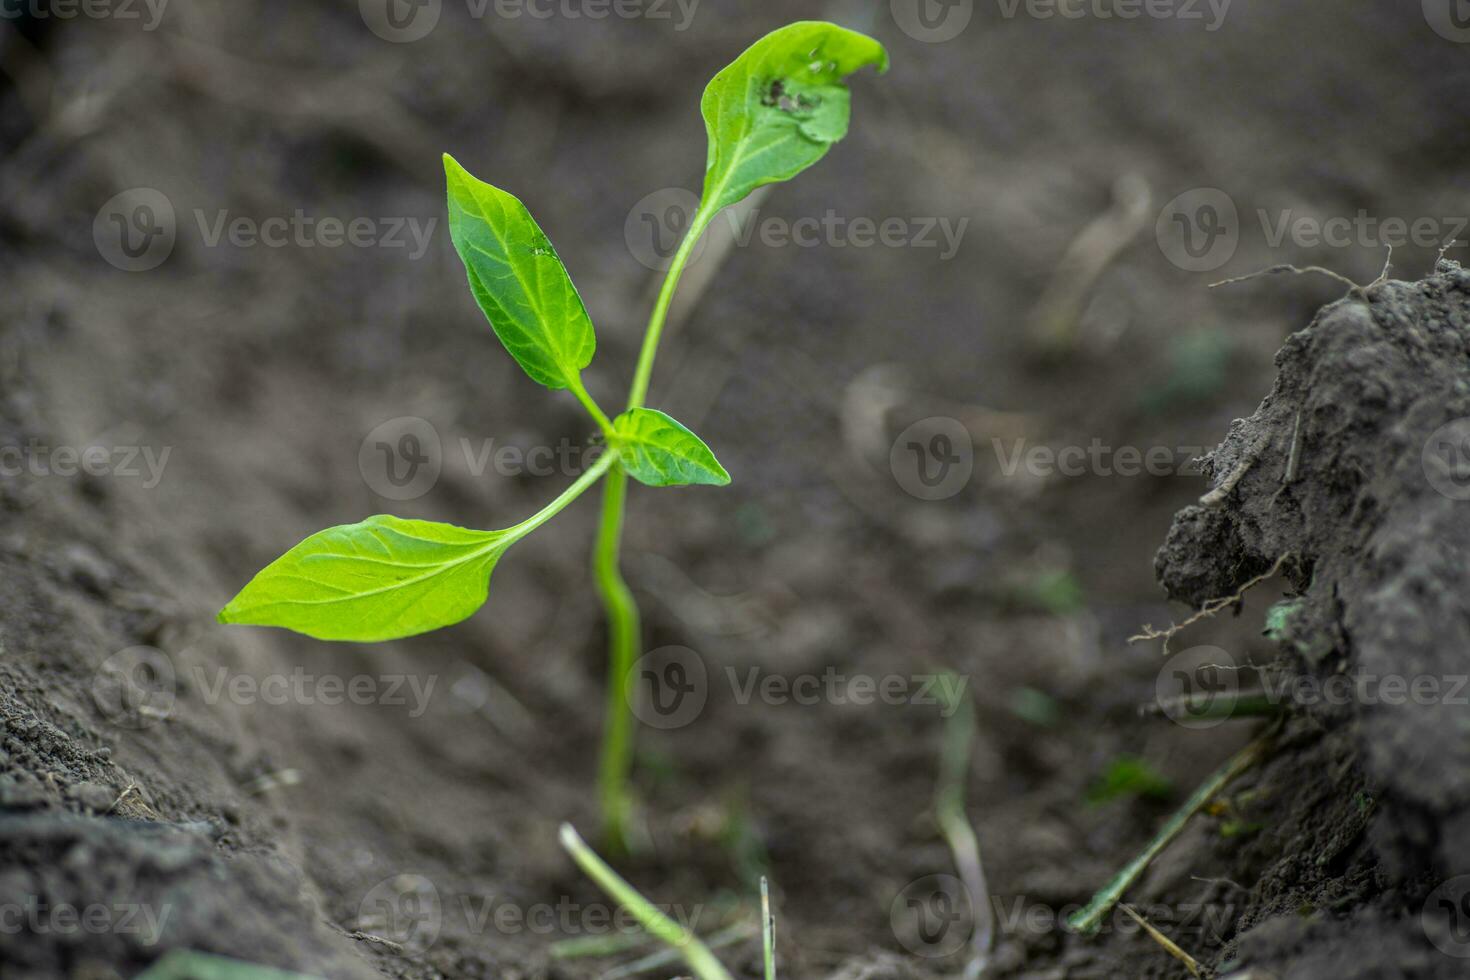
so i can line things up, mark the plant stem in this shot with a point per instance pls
(695, 953)
(624, 632)
(1088, 920)
(768, 932)
(571, 493)
(593, 409)
(954, 824)
(639, 390)
(623, 624)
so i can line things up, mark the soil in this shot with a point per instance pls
(382, 838)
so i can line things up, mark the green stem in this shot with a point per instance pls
(768, 932)
(593, 409)
(695, 953)
(1088, 920)
(623, 624)
(571, 493)
(624, 633)
(639, 391)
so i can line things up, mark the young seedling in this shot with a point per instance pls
(694, 952)
(775, 111)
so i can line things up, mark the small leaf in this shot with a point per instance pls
(780, 106)
(382, 579)
(518, 280)
(660, 452)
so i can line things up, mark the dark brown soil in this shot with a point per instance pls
(302, 835)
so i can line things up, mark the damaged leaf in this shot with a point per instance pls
(780, 106)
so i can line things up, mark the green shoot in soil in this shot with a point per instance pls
(1089, 920)
(772, 113)
(954, 824)
(695, 953)
(768, 932)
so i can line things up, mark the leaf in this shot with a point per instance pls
(518, 280)
(382, 579)
(660, 452)
(780, 106)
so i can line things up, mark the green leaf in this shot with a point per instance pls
(382, 579)
(780, 106)
(660, 452)
(518, 280)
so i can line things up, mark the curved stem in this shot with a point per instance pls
(624, 635)
(639, 391)
(593, 409)
(518, 531)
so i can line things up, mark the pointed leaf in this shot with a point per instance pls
(518, 280)
(780, 106)
(660, 452)
(381, 579)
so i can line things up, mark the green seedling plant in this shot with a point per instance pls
(772, 113)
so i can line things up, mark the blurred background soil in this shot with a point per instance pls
(279, 832)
